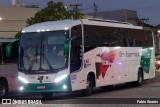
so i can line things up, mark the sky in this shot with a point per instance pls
(145, 8)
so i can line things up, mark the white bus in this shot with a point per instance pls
(8, 65)
(78, 55)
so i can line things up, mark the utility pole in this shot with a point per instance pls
(95, 10)
(76, 5)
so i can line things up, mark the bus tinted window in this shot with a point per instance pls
(76, 49)
(140, 38)
(148, 38)
(10, 55)
(98, 36)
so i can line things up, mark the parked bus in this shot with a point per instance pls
(78, 55)
(8, 65)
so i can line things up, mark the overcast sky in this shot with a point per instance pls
(145, 8)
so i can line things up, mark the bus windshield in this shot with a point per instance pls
(42, 52)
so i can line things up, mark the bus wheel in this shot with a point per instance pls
(140, 78)
(47, 94)
(89, 87)
(3, 89)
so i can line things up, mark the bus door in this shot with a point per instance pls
(76, 56)
(0, 53)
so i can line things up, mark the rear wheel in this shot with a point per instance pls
(3, 89)
(140, 78)
(47, 94)
(89, 87)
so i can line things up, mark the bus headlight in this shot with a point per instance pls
(64, 86)
(23, 79)
(60, 78)
(21, 88)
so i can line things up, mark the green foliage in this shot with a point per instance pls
(18, 35)
(54, 11)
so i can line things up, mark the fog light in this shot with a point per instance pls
(64, 86)
(21, 88)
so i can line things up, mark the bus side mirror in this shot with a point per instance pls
(66, 47)
(8, 50)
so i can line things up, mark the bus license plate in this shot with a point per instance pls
(40, 87)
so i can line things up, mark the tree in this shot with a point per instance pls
(54, 11)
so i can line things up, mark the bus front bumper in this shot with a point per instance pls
(62, 86)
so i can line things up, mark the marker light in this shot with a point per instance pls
(117, 47)
(21, 88)
(42, 30)
(38, 30)
(23, 79)
(66, 28)
(60, 78)
(47, 29)
(23, 31)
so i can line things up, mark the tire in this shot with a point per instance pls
(47, 94)
(89, 87)
(140, 78)
(3, 89)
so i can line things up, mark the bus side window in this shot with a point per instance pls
(0, 53)
(76, 54)
(76, 49)
(10, 52)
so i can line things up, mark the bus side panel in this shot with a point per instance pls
(132, 63)
(105, 70)
(152, 65)
(147, 61)
(10, 72)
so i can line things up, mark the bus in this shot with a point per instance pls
(8, 65)
(78, 55)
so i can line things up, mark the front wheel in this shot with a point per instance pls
(47, 94)
(3, 89)
(89, 87)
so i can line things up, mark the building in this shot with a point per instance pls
(123, 15)
(13, 19)
(130, 16)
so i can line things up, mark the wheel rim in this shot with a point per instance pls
(140, 79)
(2, 90)
(89, 86)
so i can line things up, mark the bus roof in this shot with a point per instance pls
(67, 24)
(3, 40)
